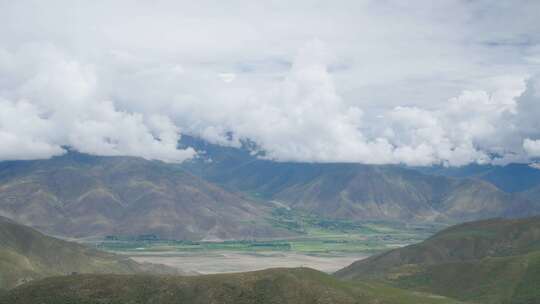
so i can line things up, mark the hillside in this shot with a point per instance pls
(468, 241)
(492, 261)
(26, 255)
(356, 191)
(294, 286)
(81, 196)
(493, 280)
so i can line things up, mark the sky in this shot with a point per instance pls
(378, 82)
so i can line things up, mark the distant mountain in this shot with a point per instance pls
(492, 261)
(83, 196)
(510, 178)
(272, 286)
(356, 191)
(224, 194)
(26, 255)
(533, 194)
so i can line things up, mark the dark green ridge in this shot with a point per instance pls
(276, 286)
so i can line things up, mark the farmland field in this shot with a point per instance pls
(323, 244)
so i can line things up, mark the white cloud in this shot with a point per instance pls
(535, 165)
(55, 103)
(532, 147)
(307, 81)
(227, 77)
(23, 134)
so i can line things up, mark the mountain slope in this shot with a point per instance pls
(469, 241)
(512, 279)
(26, 254)
(79, 195)
(356, 191)
(509, 178)
(294, 286)
(492, 261)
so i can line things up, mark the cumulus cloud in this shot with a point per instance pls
(465, 129)
(333, 83)
(23, 133)
(532, 147)
(302, 117)
(53, 101)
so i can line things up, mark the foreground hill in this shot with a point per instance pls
(355, 191)
(294, 286)
(79, 195)
(26, 255)
(474, 240)
(492, 261)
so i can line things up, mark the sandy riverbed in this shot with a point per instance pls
(227, 261)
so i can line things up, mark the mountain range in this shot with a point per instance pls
(230, 192)
(510, 178)
(359, 192)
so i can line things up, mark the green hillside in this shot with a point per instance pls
(493, 280)
(279, 286)
(26, 255)
(493, 261)
(469, 241)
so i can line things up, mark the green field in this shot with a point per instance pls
(315, 235)
(320, 243)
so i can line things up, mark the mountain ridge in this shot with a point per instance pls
(357, 191)
(81, 196)
(278, 285)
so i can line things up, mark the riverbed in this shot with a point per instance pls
(230, 261)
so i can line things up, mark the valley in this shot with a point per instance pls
(239, 229)
(492, 261)
(324, 244)
(253, 237)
